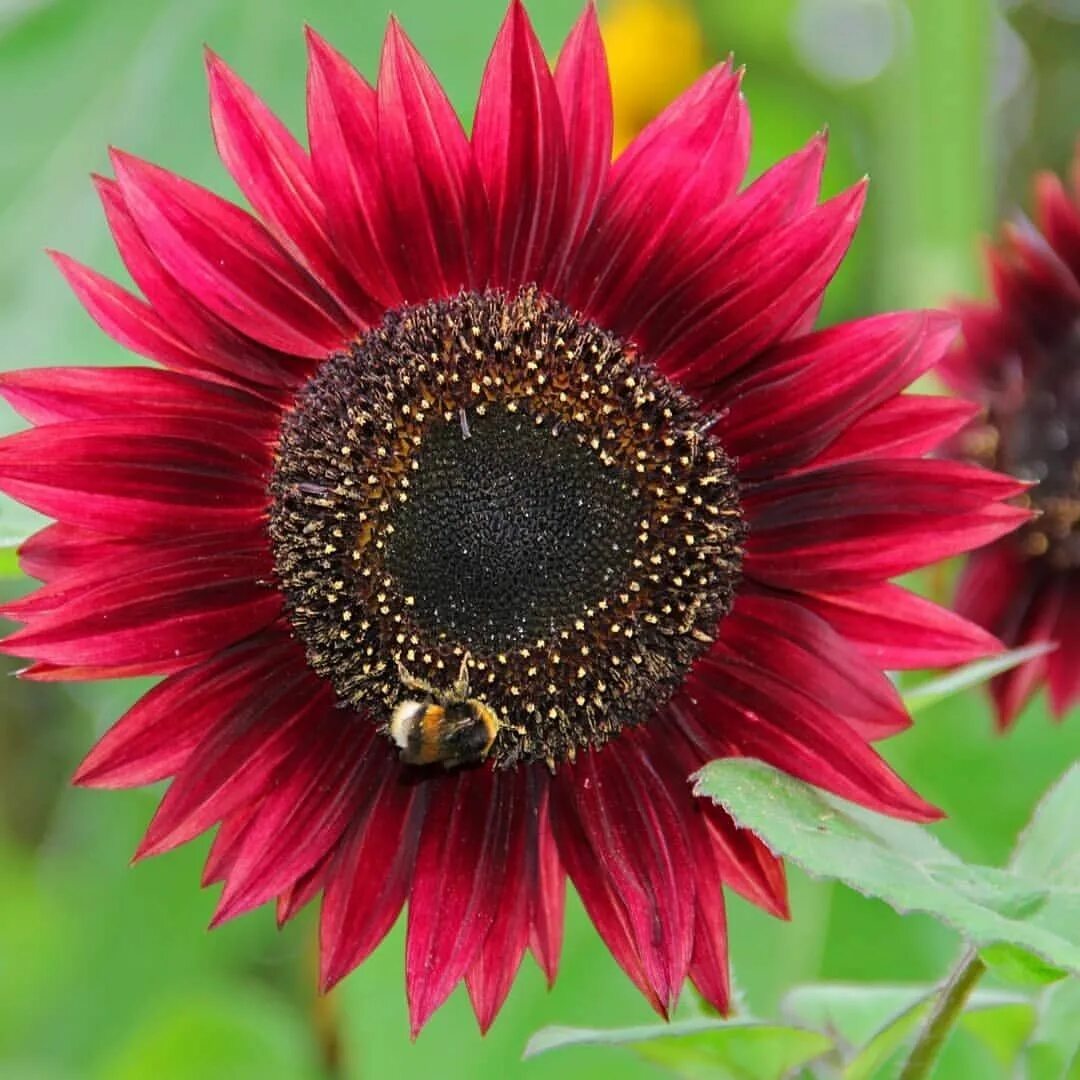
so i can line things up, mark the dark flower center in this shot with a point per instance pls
(491, 512)
(1033, 432)
(504, 523)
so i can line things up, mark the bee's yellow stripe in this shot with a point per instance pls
(431, 735)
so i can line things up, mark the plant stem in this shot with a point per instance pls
(326, 1025)
(325, 1018)
(943, 1016)
(933, 163)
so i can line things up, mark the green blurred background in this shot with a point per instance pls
(108, 971)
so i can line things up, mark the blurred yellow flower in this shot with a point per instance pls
(655, 50)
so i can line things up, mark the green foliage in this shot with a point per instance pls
(1054, 1051)
(927, 694)
(850, 1032)
(872, 1023)
(1048, 850)
(1025, 919)
(903, 864)
(733, 1050)
(1004, 1029)
(1019, 967)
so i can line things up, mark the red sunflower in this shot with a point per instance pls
(1020, 362)
(487, 489)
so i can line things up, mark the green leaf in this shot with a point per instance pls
(897, 1012)
(1002, 1029)
(872, 1022)
(930, 693)
(735, 1050)
(855, 1012)
(1019, 967)
(894, 861)
(1054, 1050)
(1049, 848)
(1047, 851)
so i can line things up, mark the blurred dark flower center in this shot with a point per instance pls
(491, 480)
(1033, 433)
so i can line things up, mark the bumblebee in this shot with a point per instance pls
(447, 727)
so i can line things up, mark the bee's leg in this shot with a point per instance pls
(411, 682)
(461, 686)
